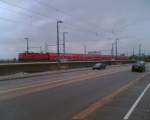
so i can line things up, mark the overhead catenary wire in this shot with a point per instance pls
(25, 9)
(12, 20)
(60, 11)
(16, 12)
(47, 16)
(57, 10)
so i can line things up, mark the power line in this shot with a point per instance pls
(60, 11)
(56, 9)
(25, 9)
(49, 6)
(11, 20)
(71, 26)
(43, 15)
(16, 12)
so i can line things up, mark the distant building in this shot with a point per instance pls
(95, 52)
(122, 54)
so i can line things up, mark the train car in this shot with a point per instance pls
(69, 57)
(33, 57)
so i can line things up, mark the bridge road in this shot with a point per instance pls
(61, 96)
(132, 104)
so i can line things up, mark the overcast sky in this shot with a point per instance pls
(94, 23)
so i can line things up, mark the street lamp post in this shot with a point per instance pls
(64, 42)
(58, 49)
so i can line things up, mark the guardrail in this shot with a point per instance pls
(12, 68)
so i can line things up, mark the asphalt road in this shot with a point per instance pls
(62, 96)
(129, 105)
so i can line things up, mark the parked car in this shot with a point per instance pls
(138, 66)
(99, 66)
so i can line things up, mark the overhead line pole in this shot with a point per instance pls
(64, 42)
(27, 40)
(112, 50)
(85, 49)
(133, 52)
(116, 47)
(140, 45)
(58, 49)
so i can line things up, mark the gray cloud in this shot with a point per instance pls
(94, 23)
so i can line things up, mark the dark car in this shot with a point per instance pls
(138, 66)
(99, 66)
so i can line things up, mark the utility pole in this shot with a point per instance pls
(27, 40)
(127, 53)
(40, 49)
(112, 49)
(85, 51)
(116, 47)
(145, 53)
(46, 47)
(58, 49)
(140, 45)
(133, 52)
(64, 42)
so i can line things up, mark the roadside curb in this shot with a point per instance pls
(26, 75)
(6, 78)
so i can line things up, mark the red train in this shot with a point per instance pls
(69, 57)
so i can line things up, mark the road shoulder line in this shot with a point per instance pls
(131, 110)
(105, 100)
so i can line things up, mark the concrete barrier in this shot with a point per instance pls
(13, 68)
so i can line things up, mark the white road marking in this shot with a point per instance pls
(127, 116)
